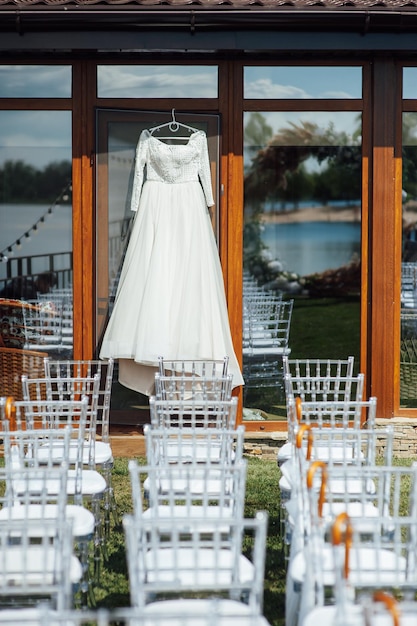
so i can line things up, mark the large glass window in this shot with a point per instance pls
(35, 81)
(300, 82)
(302, 228)
(157, 81)
(36, 231)
(408, 355)
(410, 83)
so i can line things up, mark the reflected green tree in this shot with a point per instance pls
(21, 182)
(278, 172)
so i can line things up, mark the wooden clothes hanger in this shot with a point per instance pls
(174, 126)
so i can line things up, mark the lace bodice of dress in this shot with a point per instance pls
(171, 164)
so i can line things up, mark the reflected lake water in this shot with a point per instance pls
(310, 247)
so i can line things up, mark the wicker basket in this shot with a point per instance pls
(14, 363)
(408, 369)
(12, 324)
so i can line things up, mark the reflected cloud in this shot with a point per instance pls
(264, 88)
(336, 95)
(159, 82)
(300, 82)
(23, 81)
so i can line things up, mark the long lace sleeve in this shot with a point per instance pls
(204, 172)
(140, 161)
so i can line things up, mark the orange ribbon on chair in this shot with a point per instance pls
(10, 411)
(314, 467)
(299, 439)
(391, 604)
(342, 532)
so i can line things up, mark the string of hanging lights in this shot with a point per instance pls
(26, 236)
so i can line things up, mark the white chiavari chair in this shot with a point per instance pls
(167, 446)
(208, 491)
(321, 383)
(101, 446)
(177, 568)
(36, 531)
(85, 486)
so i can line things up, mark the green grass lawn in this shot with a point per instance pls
(321, 328)
(325, 328)
(262, 493)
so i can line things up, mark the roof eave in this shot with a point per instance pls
(137, 17)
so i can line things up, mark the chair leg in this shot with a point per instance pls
(110, 508)
(98, 540)
(86, 588)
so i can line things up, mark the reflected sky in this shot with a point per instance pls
(156, 81)
(302, 82)
(35, 137)
(35, 81)
(409, 82)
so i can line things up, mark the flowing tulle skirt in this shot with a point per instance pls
(170, 300)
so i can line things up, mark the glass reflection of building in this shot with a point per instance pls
(307, 198)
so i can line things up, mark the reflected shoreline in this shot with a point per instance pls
(330, 214)
(314, 214)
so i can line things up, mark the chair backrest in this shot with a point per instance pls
(15, 362)
(258, 308)
(61, 389)
(163, 559)
(33, 494)
(188, 490)
(41, 427)
(344, 446)
(366, 491)
(408, 284)
(321, 413)
(24, 486)
(88, 368)
(325, 388)
(35, 562)
(330, 402)
(199, 445)
(192, 413)
(270, 331)
(43, 325)
(381, 558)
(37, 448)
(192, 387)
(197, 367)
(318, 368)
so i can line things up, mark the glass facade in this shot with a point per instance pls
(157, 81)
(35, 81)
(36, 232)
(302, 82)
(302, 233)
(408, 349)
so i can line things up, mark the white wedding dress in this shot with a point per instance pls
(170, 300)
